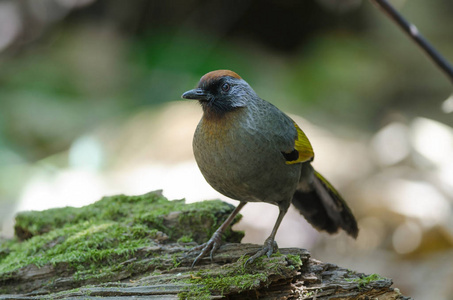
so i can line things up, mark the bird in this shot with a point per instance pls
(249, 150)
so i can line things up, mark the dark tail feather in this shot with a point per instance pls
(324, 208)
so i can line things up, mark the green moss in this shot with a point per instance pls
(365, 280)
(88, 245)
(237, 278)
(151, 209)
(294, 260)
(210, 285)
(242, 282)
(207, 284)
(116, 208)
(92, 241)
(185, 239)
(214, 215)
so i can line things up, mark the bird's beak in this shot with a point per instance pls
(196, 94)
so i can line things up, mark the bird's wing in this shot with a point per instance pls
(302, 151)
(289, 139)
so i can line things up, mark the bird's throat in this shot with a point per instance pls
(216, 111)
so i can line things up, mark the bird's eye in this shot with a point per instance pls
(225, 87)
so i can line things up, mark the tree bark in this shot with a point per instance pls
(138, 247)
(291, 274)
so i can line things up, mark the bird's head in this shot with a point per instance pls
(220, 92)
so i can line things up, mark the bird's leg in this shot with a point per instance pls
(214, 242)
(270, 245)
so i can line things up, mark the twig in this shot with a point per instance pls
(415, 35)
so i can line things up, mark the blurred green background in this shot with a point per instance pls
(90, 105)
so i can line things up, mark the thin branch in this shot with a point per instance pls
(415, 35)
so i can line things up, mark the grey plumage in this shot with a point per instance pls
(242, 160)
(249, 150)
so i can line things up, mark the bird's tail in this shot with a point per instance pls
(321, 205)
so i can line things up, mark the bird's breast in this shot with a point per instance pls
(221, 141)
(238, 159)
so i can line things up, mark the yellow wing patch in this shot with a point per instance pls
(303, 148)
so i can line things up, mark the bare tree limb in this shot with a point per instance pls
(412, 31)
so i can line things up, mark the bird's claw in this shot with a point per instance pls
(270, 246)
(212, 245)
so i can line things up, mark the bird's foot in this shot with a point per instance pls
(270, 246)
(212, 245)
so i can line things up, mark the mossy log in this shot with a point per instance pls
(138, 247)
